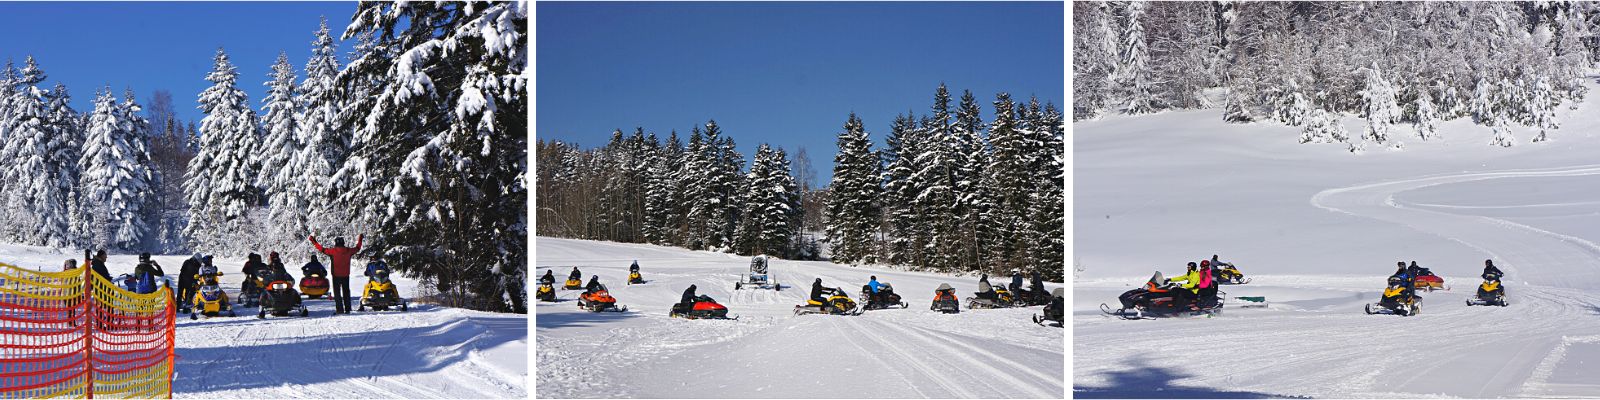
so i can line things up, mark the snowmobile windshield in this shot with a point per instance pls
(1157, 279)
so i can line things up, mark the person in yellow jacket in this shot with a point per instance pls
(1190, 279)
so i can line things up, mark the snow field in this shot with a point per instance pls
(1318, 229)
(768, 352)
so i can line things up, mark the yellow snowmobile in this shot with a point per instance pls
(546, 292)
(573, 284)
(838, 303)
(380, 293)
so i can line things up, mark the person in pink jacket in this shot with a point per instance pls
(1206, 290)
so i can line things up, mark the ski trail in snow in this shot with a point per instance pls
(1528, 254)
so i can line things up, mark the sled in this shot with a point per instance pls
(1252, 301)
(1430, 283)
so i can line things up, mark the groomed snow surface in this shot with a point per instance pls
(1319, 230)
(426, 352)
(768, 352)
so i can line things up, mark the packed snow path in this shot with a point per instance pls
(426, 352)
(768, 352)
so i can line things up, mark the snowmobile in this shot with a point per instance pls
(314, 284)
(1490, 292)
(1396, 300)
(280, 299)
(635, 278)
(1156, 300)
(884, 299)
(1053, 311)
(1427, 280)
(250, 290)
(1002, 299)
(210, 301)
(944, 300)
(837, 303)
(703, 307)
(206, 276)
(757, 278)
(573, 284)
(380, 293)
(599, 300)
(1229, 275)
(546, 292)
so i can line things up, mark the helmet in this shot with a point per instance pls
(199, 256)
(1395, 281)
(1402, 264)
(1205, 263)
(1016, 271)
(207, 259)
(144, 256)
(1191, 265)
(1488, 262)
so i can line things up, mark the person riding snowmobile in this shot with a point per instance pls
(549, 277)
(1036, 286)
(873, 285)
(688, 297)
(1016, 282)
(253, 267)
(314, 267)
(1488, 267)
(817, 291)
(275, 265)
(575, 275)
(985, 290)
(1188, 293)
(1398, 293)
(1206, 290)
(1491, 281)
(374, 266)
(1404, 274)
(634, 267)
(594, 285)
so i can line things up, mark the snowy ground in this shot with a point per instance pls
(1319, 229)
(768, 352)
(427, 352)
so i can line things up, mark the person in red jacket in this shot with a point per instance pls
(339, 256)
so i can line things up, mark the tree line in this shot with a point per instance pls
(1402, 67)
(949, 193)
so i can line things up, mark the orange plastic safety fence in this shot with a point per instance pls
(75, 334)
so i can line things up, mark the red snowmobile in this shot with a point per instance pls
(703, 307)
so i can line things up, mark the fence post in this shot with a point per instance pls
(87, 299)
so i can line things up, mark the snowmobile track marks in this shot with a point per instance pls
(966, 353)
(908, 356)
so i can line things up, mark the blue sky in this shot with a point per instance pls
(162, 45)
(788, 74)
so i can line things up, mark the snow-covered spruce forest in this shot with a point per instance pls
(416, 139)
(1399, 67)
(948, 192)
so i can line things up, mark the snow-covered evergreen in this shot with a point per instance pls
(280, 175)
(853, 208)
(1379, 107)
(40, 184)
(113, 182)
(324, 141)
(221, 186)
(770, 206)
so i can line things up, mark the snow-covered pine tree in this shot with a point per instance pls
(324, 140)
(143, 232)
(1482, 106)
(935, 163)
(1378, 106)
(1094, 58)
(1427, 117)
(904, 143)
(38, 201)
(220, 185)
(280, 174)
(853, 213)
(1048, 206)
(1541, 105)
(973, 198)
(660, 193)
(111, 181)
(1012, 170)
(771, 203)
(1134, 71)
(65, 149)
(454, 115)
(694, 192)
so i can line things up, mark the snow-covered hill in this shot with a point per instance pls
(427, 352)
(768, 352)
(1320, 229)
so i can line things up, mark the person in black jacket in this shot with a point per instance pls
(575, 274)
(279, 272)
(186, 273)
(99, 265)
(549, 277)
(594, 284)
(688, 297)
(816, 291)
(1488, 266)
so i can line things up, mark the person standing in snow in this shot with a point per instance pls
(99, 265)
(186, 277)
(339, 256)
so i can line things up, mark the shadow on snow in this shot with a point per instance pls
(1144, 381)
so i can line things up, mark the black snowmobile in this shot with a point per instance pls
(1490, 293)
(1002, 299)
(1156, 300)
(1053, 311)
(703, 307)
(1397, 299)
(885, 298)
(280, 299)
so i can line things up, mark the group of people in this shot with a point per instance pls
(1402, 284)
(198, 270)
(1035, 288)
(594, 285)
